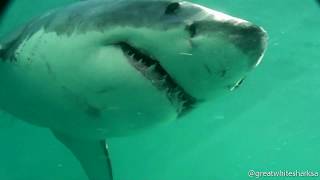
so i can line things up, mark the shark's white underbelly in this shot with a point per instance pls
(80, 86)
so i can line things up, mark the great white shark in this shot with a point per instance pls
(98, 69)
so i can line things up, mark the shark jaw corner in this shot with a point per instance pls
(98, 69)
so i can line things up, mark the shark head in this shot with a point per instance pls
(192, 52)
(189, 53)
(137, 62)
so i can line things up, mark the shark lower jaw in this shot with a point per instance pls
(152, 70)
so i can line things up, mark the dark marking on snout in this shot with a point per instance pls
(207, 69)
(49, 69)
(172, 8)
(252, 39)
(248, 38)
(3, 6)
(223, 73)
(93, 111)
(105, 90)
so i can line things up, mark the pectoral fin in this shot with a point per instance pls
(92, 154)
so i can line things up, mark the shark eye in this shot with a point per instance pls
(172, 8)
(192, 29)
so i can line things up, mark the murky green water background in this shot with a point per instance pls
(271, 123)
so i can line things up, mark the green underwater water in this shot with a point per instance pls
(271, 123)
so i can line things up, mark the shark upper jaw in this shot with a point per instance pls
(152, 70)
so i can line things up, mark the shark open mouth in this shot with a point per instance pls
(151, 69)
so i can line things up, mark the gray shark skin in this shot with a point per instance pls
(99, 69)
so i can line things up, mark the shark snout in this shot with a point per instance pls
(251, 40)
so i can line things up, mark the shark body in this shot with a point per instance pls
(98, 69)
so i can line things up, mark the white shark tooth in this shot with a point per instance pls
(166, 90)
(149, 71)
(181, 106)
(152, 68)
(162, 82)
(140, 62)
(176, 95)
(180, 95)
(159, 84)
(183, 102)
(165, 77)
(154, 82)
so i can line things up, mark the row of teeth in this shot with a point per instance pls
(175, 95)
